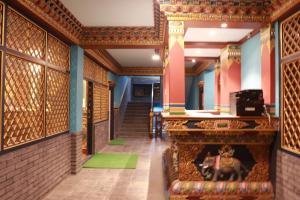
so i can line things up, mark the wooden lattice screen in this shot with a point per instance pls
(57, 112)
(23, 102)
(290, 83)
(95, 73)
(36, 82)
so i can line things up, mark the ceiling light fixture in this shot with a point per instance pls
(198, 51)
(212, 32)
(193, 61)
(224, 25)
(155, 57)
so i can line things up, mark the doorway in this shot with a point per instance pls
(111, 111)
(87, 119)
(201, 95)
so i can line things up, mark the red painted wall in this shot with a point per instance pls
(230, 81)
(268, 74)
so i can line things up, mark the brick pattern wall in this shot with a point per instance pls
(101, 135)
(31, 172)
(76, 152)
(287, 176)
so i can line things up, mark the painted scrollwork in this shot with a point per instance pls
(175, 124)
(187, 168)
(174, 154)
(221, 124)
(266, 124)
(260, 171)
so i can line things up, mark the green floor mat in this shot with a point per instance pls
(119, 141)
(112, 161)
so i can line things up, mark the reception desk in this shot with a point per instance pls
(215, 156)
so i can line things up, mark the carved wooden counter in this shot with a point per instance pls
(219, 156)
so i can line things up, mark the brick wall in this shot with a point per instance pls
(30, 172)
(101, 135)
(287, 176)
(76, 152)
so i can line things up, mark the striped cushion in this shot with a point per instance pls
(210, 187)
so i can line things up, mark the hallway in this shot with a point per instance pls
(117, 184)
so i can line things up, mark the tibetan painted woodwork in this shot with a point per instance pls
(23, 102)
(218, 155)
(99, 76)
(290, 83)
(35, 73)
(57, 102)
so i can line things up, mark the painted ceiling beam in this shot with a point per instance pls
(217, 45)
(141, 71)
(197, 59)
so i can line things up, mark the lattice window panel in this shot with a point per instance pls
(291, 35)
(291, 106)
(23, 102)
(97, 103)
(105, 77)
(24, 36)
(1, 22)
(104, 102)
(57, 110)
(98, 74)
(58, 53)
(89, 69)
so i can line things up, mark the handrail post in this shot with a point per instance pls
(151, 124)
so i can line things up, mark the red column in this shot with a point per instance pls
(176, 68)
(230, 75)
(268, 67)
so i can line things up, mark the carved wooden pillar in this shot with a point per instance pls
(217, 86)
(268, 67)
(166, 80)
(175, 68)
(230, 75)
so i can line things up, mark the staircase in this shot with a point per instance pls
(136, 120)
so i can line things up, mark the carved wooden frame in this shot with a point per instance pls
(290, 82)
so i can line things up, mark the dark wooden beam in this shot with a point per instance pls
(217, 45)
(121, 46)
(216, 24)
(198, 59)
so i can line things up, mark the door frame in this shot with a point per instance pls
(201, 95)
(111, 128)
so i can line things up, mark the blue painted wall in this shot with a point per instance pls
(76, 81)
(121, 84)
(251, 64)
(277, 70)
(208, 77)
(188, 90)
(209, 90)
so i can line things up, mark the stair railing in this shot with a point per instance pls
(151, 113)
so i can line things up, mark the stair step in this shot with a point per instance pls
(136, 117)
(134, 131)
(135, 124)
(137, 113)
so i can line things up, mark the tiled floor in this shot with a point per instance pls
(119, 184)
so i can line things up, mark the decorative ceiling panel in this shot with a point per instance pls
(135, 57)
(112, 12)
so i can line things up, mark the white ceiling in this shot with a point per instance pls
(135, 57)
(215, 34)
(112, 12)
(202, 52)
